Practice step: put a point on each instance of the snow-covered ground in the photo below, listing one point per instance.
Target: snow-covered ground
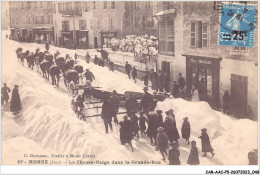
(49, 126)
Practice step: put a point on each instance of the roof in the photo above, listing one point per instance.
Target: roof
(165, 12)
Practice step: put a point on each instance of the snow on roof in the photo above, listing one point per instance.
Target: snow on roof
(165, 12)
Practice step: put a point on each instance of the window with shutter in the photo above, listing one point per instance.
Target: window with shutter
(113, 4)
(199, 34)
(166, 37)
(193, 34)
(204, 34)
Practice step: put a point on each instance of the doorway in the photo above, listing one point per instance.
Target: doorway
(166, 68)
(95, 42)
(239, 95)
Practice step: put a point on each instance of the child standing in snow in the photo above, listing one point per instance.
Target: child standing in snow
(194, 155)
(185, 130)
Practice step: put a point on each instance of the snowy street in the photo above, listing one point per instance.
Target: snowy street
(48, 125)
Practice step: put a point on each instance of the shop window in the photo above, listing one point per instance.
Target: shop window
(113, 4)
(82, 25)
(199, 34)
(65, 25)
(166, 37)
(105, 4)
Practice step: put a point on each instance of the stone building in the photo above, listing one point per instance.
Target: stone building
(5, 18)
(31, 21)
(190, 46)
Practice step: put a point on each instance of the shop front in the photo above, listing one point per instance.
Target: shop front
(24, 35)
(82, 39)
(43, 35)
(203, 73)
(13, 34)
(106, 38)
(66, 39)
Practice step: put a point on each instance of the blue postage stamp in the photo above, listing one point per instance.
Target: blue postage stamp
(237, 25)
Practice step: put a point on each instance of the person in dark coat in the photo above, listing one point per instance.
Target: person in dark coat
(226, 102)
(87, 57)
(160, 81)
(128, 69)
(101, 62)
(175, 90)
(5, 94)
(89, 75)
(170, 127)
(115, 100)
(146, 79)
(111, 66)
(152, 127)
(174, 154)
(202, 89)
(134, 120)
(162, 142)
(76, 57)
(146, 101)
(107, 114)
(153, 79)
(15, 106)
(96, 60)
(160, 117)
(142, 119)
(131, 105)
(181, 82)
(206, 146)
(134, 74)
(185, 130)
(194, 155)
(126, 132)
(166, 83)
(47, 46)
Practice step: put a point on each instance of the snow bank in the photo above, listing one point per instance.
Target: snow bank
(231, 138)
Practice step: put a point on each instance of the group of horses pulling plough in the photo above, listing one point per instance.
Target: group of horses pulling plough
(55, 66)
(51, 65)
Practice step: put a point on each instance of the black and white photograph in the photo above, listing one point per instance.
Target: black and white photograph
(129, 83)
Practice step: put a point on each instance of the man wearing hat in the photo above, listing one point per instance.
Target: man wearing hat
(107, 114)
(174, 154)
(162, 142)
(87, 57)
(115, 100)
(15, 106)
(89, 75)
(205, 142)
(131, 104)
(134, 120)
(128, 69)
(142, 119)
(96, 60)
(152, 127)
(185, 129)
(146, 101)
(160, 117)
(5, 94)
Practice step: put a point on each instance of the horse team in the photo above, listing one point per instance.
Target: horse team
(51, 65)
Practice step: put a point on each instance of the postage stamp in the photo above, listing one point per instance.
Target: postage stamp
(237, 25)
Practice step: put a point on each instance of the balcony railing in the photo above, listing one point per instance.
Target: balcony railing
(72, 13)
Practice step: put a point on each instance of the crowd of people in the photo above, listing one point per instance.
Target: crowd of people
(145, 48)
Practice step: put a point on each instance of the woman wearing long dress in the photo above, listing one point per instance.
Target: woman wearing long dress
(194, 94)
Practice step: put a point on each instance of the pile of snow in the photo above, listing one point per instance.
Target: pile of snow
(49, 125)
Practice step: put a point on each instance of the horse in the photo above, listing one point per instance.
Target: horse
(79, 69)
(55, 74)
(69, 64)
(22, 56)
(70, 75)
(30, 60)
(45, 66)
(49, 57)
(18, 51)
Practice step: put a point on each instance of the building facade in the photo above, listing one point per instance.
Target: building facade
(5, 18)
(87, 24)
(31, 21)
(191, 48)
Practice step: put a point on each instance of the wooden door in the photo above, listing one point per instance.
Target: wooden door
(238, 95)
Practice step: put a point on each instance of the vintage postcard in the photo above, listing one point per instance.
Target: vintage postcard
(129, 83)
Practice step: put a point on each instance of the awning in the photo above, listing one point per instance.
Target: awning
(23, 28)
(203, 57)
(165, 12)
